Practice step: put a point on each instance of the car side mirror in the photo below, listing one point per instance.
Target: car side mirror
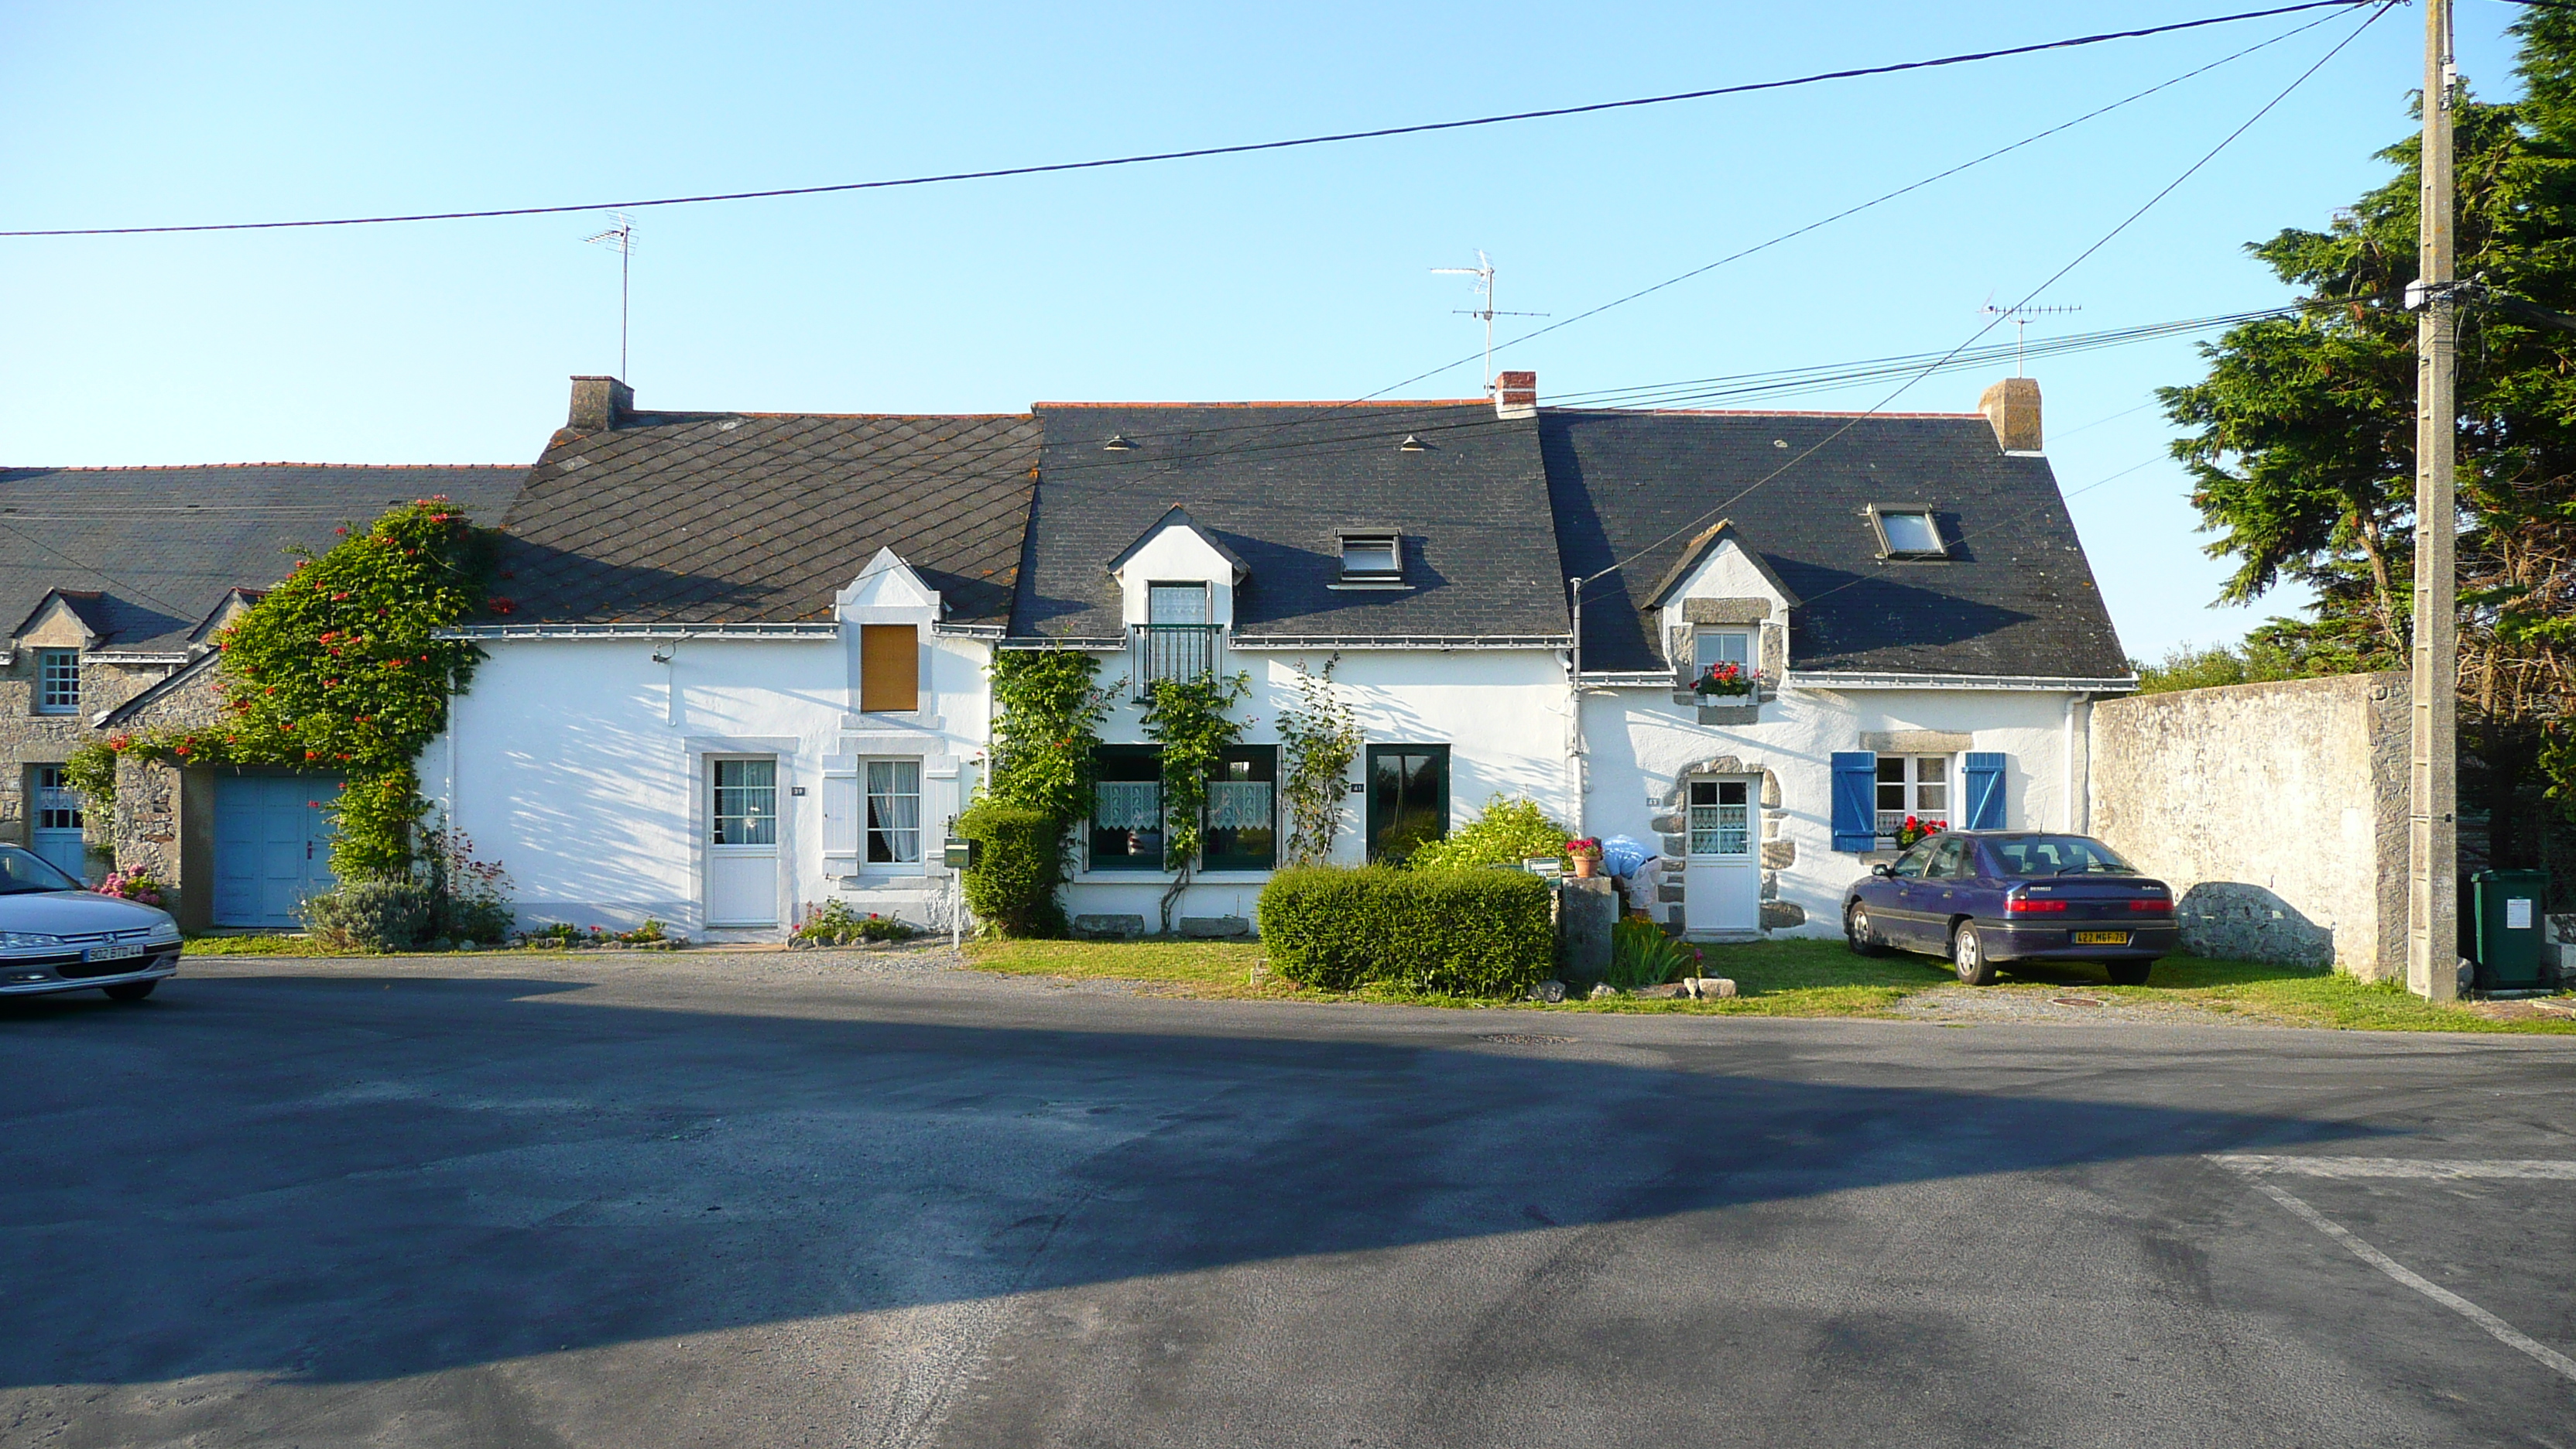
(1882, 869)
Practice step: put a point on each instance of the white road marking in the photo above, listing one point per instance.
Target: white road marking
(2438, 1169)
(2503, 1332)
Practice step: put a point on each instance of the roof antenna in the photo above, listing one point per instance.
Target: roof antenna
(621, 240)
(1483, 272)
(2021, 316)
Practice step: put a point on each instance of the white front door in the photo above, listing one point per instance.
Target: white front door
(1722, 882)
(57, 836)
(742, 844)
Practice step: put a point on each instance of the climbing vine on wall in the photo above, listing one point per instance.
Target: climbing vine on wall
(1187, 718)
(1319, 737)
(1046, 725)
(340, 668)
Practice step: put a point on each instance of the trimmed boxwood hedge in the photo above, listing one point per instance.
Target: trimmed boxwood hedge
(1012, 889)
(1456, 932)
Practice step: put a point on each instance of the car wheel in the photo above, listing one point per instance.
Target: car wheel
(129, 990)
(1856, 932)
(1968, 955)
(2128, 973)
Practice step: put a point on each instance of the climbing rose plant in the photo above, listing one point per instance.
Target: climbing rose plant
(340, 668)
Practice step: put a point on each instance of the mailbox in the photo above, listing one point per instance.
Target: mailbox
(960, 853)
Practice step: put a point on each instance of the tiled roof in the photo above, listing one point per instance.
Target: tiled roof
(163, 545)
(761, 518)
(1277, 483)
(2015, 598)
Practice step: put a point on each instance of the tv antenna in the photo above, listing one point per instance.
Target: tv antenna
(621, 240)
(2021, 323)
(1483, 272)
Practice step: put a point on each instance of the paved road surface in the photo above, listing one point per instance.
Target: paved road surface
(794, 1201)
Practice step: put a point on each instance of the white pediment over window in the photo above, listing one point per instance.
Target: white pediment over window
(1719, 585)
(887, 591)
(1177, 550)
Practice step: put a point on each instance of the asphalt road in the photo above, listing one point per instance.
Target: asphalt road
(794, 1201)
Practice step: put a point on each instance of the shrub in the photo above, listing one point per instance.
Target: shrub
(1509, 832)
(137, 886)
(1641, 955)
(833, 923)
(1460, 932)
(372, 914)
(1012, 888)
(473, 896)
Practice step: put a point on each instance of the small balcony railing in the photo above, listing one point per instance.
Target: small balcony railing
(1170, 651)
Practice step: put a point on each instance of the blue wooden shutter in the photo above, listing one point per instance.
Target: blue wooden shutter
(1985, 781)
(1855, 801)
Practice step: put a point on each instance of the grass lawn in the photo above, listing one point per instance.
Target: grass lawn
(260, 946)
(1795, 978)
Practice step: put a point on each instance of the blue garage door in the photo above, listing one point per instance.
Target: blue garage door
(272, 846)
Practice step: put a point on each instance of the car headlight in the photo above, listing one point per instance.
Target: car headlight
(22, 940)
(166, 931)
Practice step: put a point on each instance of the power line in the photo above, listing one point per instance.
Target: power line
(1244, 148)
(2080, 258)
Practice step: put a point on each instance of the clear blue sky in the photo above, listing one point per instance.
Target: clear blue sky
(1295, 275)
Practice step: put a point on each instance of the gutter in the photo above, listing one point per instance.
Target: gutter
(2026, 683)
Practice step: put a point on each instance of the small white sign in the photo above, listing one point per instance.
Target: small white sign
(1543, 865)
(2517, 913)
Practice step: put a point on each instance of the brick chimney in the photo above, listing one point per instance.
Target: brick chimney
(1516, 395)
(2012, 405)
(599, 403)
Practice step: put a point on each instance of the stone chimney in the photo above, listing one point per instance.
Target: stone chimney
(1516, 395)
(2012, 405)
(599, 403)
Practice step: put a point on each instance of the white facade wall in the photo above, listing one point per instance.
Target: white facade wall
(580, 764)
(1502, 712)
(1640, 741)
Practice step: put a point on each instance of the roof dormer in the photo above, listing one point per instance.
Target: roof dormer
(1170, 559)
(1720, 603)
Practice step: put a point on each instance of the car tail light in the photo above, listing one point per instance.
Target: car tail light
(2162, 908)
(2018, 906)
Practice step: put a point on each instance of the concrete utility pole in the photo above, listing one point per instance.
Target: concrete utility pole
(2433, 833)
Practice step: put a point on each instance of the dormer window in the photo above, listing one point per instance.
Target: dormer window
(1372, 557)
(57, 681)
(1907, 530)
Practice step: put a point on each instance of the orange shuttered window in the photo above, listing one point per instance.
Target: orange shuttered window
(889, 667)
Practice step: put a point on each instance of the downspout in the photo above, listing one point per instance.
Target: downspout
(2074, 826)
(1576, 763)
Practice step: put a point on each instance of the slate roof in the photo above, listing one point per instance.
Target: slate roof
(2016, 597)
(762, 517)
(1277, 483)
(161, 546)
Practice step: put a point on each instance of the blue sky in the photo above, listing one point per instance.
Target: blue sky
(1294, 275)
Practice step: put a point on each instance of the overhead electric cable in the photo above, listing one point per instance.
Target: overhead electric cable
(2080, 258)
(1243, 148)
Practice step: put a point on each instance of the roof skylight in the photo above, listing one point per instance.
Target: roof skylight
(1907, 530)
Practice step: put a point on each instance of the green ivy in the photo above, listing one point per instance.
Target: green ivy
(1046, 725)
(339, 667)
(1319, 736)
(1187, 718)
(91, 769)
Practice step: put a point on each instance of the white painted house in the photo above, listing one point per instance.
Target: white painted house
(743, 670)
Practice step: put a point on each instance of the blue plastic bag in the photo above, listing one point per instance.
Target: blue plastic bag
(1622, 857)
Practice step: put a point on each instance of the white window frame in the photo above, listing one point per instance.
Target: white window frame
(1750, 642)
(1391, 545)
(1915, 788)
(867, 795)
(49, 699)
(716, 791)
(1723, 827)
(1181, 588)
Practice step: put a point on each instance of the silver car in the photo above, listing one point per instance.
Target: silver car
(55, 936)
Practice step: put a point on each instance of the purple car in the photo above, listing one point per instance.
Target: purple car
(1980, 897)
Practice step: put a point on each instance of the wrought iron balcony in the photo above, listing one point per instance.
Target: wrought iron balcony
(1170, 651)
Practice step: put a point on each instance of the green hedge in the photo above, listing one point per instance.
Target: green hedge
(1456, 932)
(1012, 888)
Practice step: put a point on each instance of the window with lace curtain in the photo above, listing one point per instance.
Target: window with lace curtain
(1127, 808)
(1243, 811)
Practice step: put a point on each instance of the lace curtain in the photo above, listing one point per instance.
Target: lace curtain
(1129, 805)
(1238, 805)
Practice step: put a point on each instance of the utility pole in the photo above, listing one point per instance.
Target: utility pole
(2432, 833)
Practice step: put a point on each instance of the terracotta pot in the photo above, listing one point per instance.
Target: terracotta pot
(1584, 866)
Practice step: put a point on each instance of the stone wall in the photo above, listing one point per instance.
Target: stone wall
(29, 739)
(164, 816)
(2276, 811)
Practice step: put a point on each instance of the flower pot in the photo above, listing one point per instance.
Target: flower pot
(1584, 866)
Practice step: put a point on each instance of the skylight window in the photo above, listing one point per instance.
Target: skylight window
(1367, 556)
(1907, 531)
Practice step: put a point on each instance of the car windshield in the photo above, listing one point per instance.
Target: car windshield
(2030, 857)
(23, 871)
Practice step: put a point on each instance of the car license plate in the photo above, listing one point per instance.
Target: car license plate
(2101, 938)
(114, 951)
